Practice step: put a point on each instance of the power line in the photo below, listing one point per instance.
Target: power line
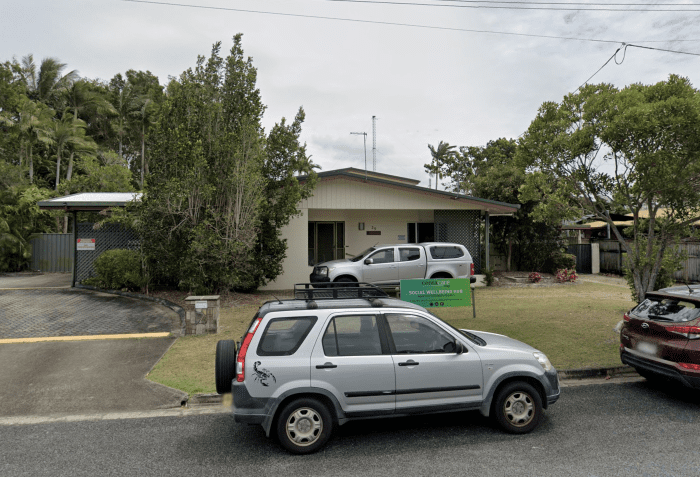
(624, 54)
(509, 6)
(374, 22)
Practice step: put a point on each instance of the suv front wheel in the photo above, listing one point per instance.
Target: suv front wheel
(518, 408)
(304, 426)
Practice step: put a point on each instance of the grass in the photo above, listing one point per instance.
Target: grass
(571, 323)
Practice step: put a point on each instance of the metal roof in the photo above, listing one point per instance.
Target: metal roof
(90, 201)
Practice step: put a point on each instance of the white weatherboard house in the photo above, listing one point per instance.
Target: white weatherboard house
(352, 209)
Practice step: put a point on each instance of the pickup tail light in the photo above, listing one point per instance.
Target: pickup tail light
(471, 269)
(690, 332)
(240, 359)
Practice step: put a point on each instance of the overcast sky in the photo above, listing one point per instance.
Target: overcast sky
(475, 75)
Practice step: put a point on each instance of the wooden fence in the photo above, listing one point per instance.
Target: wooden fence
(612, 259)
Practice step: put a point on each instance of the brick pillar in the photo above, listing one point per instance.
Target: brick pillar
(202, 315)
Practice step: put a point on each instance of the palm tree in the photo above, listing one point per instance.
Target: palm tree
(48, 84)
(68, 131)
(440, 155)
(32, 123)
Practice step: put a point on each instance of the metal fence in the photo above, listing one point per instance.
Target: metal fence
(612, 259)
(52, 252)
(583, 257)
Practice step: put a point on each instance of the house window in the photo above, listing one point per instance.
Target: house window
(326, 241)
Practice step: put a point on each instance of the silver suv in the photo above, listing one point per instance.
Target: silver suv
(329, 356)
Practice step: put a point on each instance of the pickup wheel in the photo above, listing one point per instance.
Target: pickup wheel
(518, 408)
(225, 365)
(304, 426)
(344, 280)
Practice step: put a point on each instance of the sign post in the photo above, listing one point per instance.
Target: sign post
(437, 292)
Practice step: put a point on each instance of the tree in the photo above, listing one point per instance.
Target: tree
(48, 84)
(638, 147)
(442, 154)
(67, 132)
(491, 172)
(200, 211)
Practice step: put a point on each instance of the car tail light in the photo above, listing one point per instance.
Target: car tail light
(471, 269)
(240, 359)
(690, 332)
(626, 317)
(694, 367)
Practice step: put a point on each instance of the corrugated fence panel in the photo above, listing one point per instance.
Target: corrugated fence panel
(52, 252)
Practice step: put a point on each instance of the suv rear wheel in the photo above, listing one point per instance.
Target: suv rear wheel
(304, 426)
(518, 407)
(225, 365)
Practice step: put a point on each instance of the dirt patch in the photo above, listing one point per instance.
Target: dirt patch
(227, 299)
(520, 280)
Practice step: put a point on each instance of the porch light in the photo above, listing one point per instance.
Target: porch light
(360, 226)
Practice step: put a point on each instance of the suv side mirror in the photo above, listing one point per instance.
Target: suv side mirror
(369, 261)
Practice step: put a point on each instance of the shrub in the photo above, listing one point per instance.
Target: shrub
(534, 277)
(670, 263)
(561, 260)
(117, 269)
(488, 276)
(566, 275)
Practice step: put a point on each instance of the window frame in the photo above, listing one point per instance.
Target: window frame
(261, 352)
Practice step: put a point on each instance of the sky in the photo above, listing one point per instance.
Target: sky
(458, 71)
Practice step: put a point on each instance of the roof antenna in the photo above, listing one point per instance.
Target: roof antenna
(690, 290)
(280, 301)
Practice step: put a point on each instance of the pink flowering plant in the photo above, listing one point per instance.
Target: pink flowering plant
(534, 277)
(566, 275)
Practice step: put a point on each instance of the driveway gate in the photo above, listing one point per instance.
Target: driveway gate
(583, 257)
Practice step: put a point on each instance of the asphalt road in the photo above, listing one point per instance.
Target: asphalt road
(630, 429)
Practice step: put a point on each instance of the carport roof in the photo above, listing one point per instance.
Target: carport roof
(93, 201)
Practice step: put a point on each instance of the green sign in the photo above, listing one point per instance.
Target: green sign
(437, 292)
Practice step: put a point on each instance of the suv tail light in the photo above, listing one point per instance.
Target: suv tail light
(694, 367)
(626, 317)
(690, 332)
(471, 269)
(240, 359)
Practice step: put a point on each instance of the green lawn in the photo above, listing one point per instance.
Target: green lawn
(572, 324)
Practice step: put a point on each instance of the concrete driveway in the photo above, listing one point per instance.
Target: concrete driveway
(73, 351)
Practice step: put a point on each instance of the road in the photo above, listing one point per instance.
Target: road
(629, 429)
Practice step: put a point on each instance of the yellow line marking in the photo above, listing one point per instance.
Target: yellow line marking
(33, 288)
(85, 337)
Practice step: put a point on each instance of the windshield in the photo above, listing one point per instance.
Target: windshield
(470, 336)
(359, 257)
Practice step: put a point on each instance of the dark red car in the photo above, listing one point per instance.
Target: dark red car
(660, 337)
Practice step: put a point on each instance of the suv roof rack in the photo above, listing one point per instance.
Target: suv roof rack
(334, 291)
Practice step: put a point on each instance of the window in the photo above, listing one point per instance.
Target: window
(415, 334)
(409, 254)
(283, 336)
(666, 309)
(326, 241)
(446, 252)
(352, 336)
(385, 255)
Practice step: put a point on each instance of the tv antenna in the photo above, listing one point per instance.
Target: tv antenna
(364, 136)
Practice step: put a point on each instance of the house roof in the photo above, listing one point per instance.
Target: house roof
(492, 206)
(90, 201)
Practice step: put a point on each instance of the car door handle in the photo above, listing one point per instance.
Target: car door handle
(328, 365)
(410, 362)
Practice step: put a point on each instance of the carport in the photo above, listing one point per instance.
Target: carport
(88, 248)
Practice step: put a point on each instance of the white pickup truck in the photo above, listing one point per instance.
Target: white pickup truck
(386, 265)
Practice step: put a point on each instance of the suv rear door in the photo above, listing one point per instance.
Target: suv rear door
(351, 359)
(430, 375)
(655, 327)
(411, 263)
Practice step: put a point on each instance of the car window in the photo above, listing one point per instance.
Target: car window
(357, 258)
(416, 334)
(666, 309)
(385, 255)
(409, 254)
(283, 336)
(353, 335)
(442, 251)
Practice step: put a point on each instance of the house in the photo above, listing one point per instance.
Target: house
(352, 209)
